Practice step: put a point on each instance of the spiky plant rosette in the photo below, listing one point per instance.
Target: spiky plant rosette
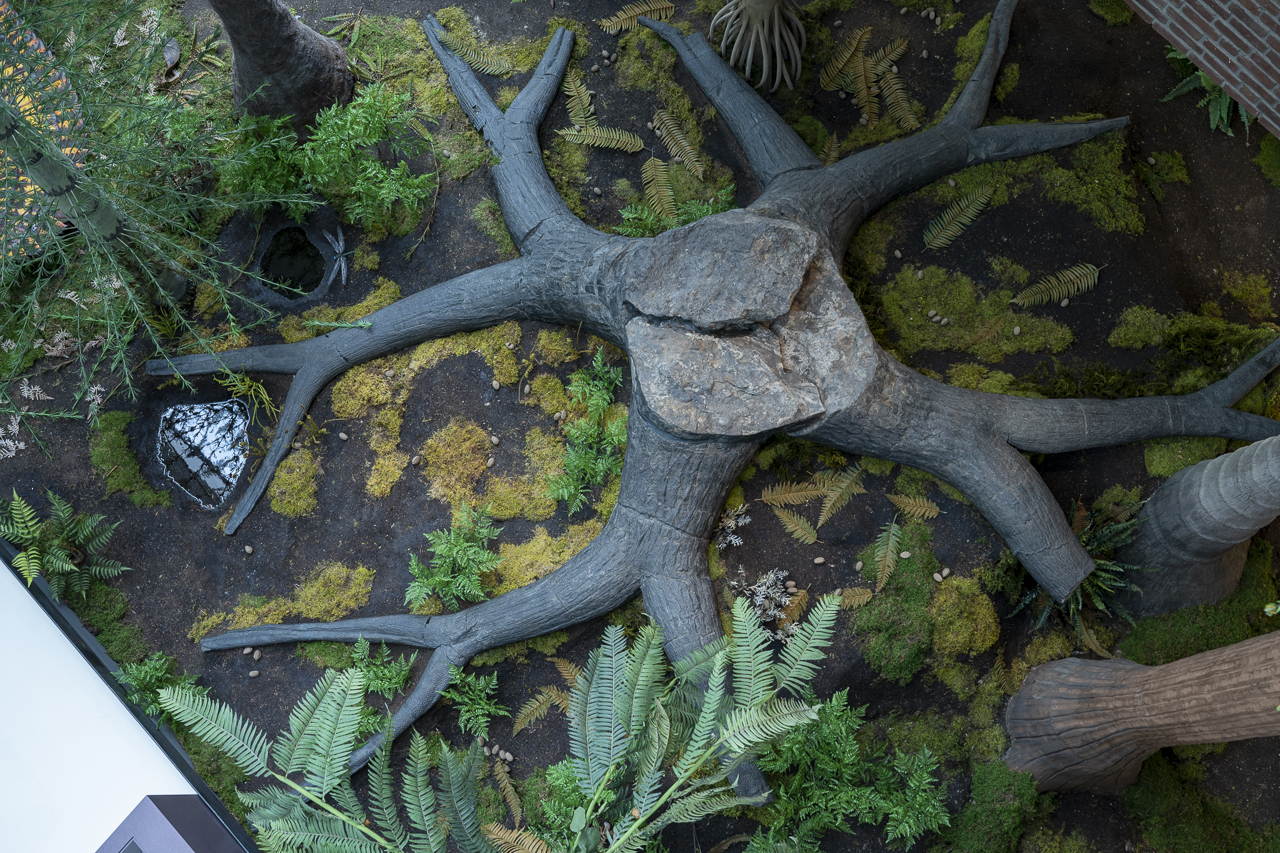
(770, 28)
(1101, 532)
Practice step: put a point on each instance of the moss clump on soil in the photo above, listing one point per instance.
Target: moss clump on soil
(390, 462)
(980, 325)
(526, 495)
(968, 51)
(1169, 168)
(1003, 804)
(547, 644)
(1007, 81)
(539, 556)
(976, 377)
(326, 595)
(1009, 272)
(968, 739)
(567, 167)
(895, 627)
(506, 96)
(115, 463)
(1139, 326)
(1165, 457)
(1172, 636)
(1251, 291)
(1268, 158)
(462, 150)
(1178, 816)
(217, 770)
(964, 619)
(488, 216)
(455, 460)
(365, 259)
(1054, 841)
(1097, 186)
(293, 328)
(293, 486)
(869, 249)
(1041, 650)
(555, 347)
(547, 391)
(326, 655)
(1115, 12)
(103, 609)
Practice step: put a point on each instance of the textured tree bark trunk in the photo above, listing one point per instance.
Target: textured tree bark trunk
(1088, 725)
(281, 66)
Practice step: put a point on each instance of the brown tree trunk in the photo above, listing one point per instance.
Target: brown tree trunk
(1089, 724)
(281, 66)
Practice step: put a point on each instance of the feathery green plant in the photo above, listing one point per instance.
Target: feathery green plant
(1064, 284)
(459, 556)
(645, 220)
(147, 678)
(382, 675)
(603, 137)
(481, 58)
(476, 705)
(66, 547)
(947, 227)
(1220, 104)
(594, 442)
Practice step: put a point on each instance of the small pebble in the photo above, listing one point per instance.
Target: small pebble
(297, 445)
(837, 23)
(390, 374)
(528, 388)
(1151, 161)
(818, 561)
(893, 68)
(496, 384)
(932, 15)
(904, 11)
(946, 572)
(248, 549)
(496, 749)
(919, 275)
(937, 577)
(838, 591)
(649, 125)
(944, 322)
(605, 63)
(493, 439)
(924, 12)
(343, 436)
(791, 584)
(864, 120)
(248, 650)
(563, 414)
(858, 567)
(897, 253)
(510, 345)
(488, 752)
(1064, 303)
(905, 554)
(1017, 330)
(483, 740)
(935, 319)
(490, 462)
(416, 460)
(931, 314)
(924, 54)
(257, 655)
(614, 59)
(842, 95)
(605, 54)
(951, 182)
(597, 191)
(447, 153)
(253, 673)
(595, 68)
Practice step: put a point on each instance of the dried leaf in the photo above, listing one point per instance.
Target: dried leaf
(604, 137)
(657, 187)
(921, 508)
(507, 790)
(627, 17)
(854, 598)
(842, 487)
(1061, 285)
(840, 60)
(677, 143)
(790, 494)
(797, 526)
(947, 227)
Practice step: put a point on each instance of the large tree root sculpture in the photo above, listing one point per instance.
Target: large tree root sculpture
(719, 366)
(1088, 725)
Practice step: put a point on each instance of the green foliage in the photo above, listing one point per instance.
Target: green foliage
(114, 461)
(550, 796)
(942, 231)
(66, 547)
(146, 679)
(459, 556)
(488, 215)
(824, 780)
(382, 675)
(1096, 185)
(595, 440)
(1268, 159)
(1139, 326)
(1221, 107)
(1008, 80)
(1165, 457)
(1191, 630)
(964, 619)
(1169, 168)
(1063, 284)
(1251, 291)
(474, 697)
(895, 626)
(326, 655)
(642, 220)
(1115, 12)
(1003, 803)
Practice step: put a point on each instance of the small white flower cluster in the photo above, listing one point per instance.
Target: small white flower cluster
(31, 392)
(96, 395)
(8, 345)
(61, 345)
(120, 40)
(70, 43)
(729, 522)
(769, 598)
(9, 443)
(73, 297)
(150, 23)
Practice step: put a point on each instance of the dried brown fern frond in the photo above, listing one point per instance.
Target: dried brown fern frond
(672, 136)
(830, 152)
(990, 330)
(790, 494)
(1061, 285)
(888, 545)
(849, 48)
(481, 59)
(533, 710)
(508, 791)
(627, 17)
(921, 508)
(896, 101)
(947, 227)
(568, 670)
(514, 840)
(797, 526)
(840, 490)
(858, 82)
(657, 187)
(883, 59)
(581, 111)
(604, 137)
(1080, 520)
(852, 599)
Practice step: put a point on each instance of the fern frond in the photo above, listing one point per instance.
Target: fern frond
(458, 799)
(747, 729)
(508, 791)
(419, 797)
(580, 745)
(1081, 519)
(514, 840)
(23, 526)
(840, 491)
(696, 666)
(883, 59)
(752, 653)
(854, 598)
(704, 730)
(694, 807)
(657, 187)
(649, 770)
(533, 710)
(345, 796)
(307, 830)
(642, 681)
(224, 729)
(947, 227)
(568, 670)
(797, 526)
(337, 723)
(604, 137)
(581, 111)
(606, 733)
(272, 803)
(790, 494)
(481, 59)
(830, 152)
(897, 102)
(677, 143)
(888, 544)
(627, 17)
(27, 563)
(1061, 285)
(291, 749)
(834, 70)
(858, 82)
(807, 646)
(921, 508)
(382, 793)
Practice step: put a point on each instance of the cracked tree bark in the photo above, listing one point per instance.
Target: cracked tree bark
(718, 367)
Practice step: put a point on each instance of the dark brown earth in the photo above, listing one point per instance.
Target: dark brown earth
(1071, 62)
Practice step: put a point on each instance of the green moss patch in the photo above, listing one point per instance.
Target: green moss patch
(326, 655)
(567, 166)
(326, 595)
(895, 627)
(1007, 81)
(547, 644)
(1169, 168)
(964, 619)
(1268, 159)
(488, 216)
(113, 460)
(293, 485)
(555, 347)
(455, 461)
(1003, 804)
(1251, 291)
(977, 324)
(1165, 457)
(1115, 12)
(526, 495)
(539, 556)
(1139, 326)
(294, 328)
(1096, 185)
(548, 392)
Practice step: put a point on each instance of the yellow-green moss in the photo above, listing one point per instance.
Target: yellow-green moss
(386, 472)
(326, 595)
(526, 495)
(1115, 12)
(385, 291)
(968, 51)
(1052, 646)
(547, 644)
(1251, 291)
(293, 486)
(1139, 326)
(869, 250)
(326, 655)
(1268, 158)
(980, 325)
(488, 216)
(542, 554)
(1048, 840)
(364, 258)
(1169, 168)
(1165, 457)
(1006, 82)
(608, 499)
(877, 467)
(976, 377)
(555, 347)
(965, 621)
(204, 624)
(960, 678)
(461, 149)
(1118, 501)
(207, 300)
(495, 345)
(1096, 185)
(114, 461)
(567, 166)
(1009, 272)
(506, 96)
(716, 568)
(455, 460)
(547, 391)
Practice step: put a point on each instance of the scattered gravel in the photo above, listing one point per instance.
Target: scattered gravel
(248, 650)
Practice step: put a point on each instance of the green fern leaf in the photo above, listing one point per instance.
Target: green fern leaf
(480, 58)
(898, 104)
(657, 187)
(1061, 285)
(831, 151)
(708, 717)
(807, 646)
(514, 840)
(28, 564)
(747, 729)
(337, 724)
(642, 680)
(672, 136)
(272, 803)
(752, 653)
(311, 830)
(345, 796)
(858, 82)
(921, 508)
(581, 112)
(947, 227)
(835, 70)
(292, 748)
(223, 728)
(23, 526)
(605, 716)
(888, 545)
(381, 791)
(604, 137)
(840, 491)
(787, 493)
(458, 799)
(533, 710)
(696, 806)
(797, 526)
(420, 799)
(883, 59)
(628, 16)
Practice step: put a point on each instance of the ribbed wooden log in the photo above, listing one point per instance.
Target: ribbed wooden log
(1088, 725)
(1195, 529)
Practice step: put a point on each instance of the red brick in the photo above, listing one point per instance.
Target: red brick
(1262, 71)
(1179, 35)
(1197, 21)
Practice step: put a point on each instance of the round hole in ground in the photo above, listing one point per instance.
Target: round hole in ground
(292, 266)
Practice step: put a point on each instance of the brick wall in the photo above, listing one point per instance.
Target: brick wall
(1236, 42)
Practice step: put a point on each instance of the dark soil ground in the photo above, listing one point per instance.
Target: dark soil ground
(1071, 62)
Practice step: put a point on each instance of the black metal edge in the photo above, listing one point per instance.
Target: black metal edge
(92, 651)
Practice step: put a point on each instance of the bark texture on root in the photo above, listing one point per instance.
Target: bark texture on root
(1088, 725)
